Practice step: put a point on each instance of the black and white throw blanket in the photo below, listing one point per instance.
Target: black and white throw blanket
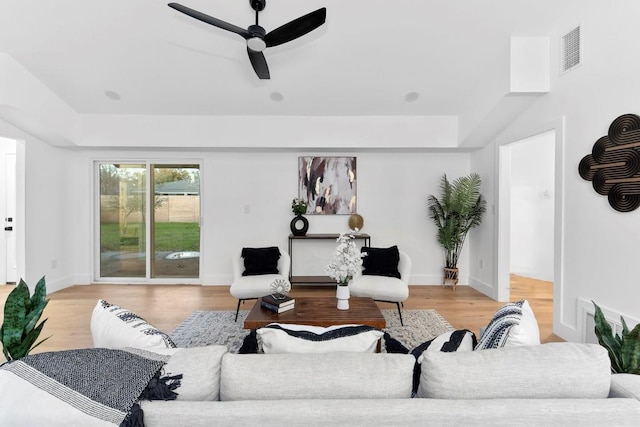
(102, 383)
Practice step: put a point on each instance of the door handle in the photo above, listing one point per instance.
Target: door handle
(8, 229)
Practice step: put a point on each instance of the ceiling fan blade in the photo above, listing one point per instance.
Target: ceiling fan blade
(259, 64)
(210, 20)
(296, 28)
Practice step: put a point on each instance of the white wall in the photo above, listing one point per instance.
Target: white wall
(392, 193)
(263, 132)
(43, 194)
(482, 263)
(532, 208)
(599, 259)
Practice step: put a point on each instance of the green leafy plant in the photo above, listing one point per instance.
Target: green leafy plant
(624, 351)
(459, 209)
(298, 207)
(19, 331)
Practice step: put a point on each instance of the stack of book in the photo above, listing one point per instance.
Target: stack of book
(277, 302)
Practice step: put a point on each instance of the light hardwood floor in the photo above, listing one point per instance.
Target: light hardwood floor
(166, 306)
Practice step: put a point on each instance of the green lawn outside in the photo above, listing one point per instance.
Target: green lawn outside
(170, 237)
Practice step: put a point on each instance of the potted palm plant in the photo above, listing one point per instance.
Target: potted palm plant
(459, 209)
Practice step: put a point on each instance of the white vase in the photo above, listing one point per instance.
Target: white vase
(343, 295)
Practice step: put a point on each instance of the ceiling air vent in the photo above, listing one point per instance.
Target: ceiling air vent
(571, 50)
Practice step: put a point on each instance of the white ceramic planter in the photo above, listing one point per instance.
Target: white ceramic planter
(343, 295)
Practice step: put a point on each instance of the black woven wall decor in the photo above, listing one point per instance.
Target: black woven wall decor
(613, 166)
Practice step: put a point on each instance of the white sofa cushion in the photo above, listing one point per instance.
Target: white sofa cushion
(625, 385)
(200, 369)
(289, 338)
(315, 376)
(115, 327)
(554, 370)
(514, 324)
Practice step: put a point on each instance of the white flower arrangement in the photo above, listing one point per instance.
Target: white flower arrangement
(347, 260)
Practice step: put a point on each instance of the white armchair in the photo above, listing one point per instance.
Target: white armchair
(256, 286)
(383, 288)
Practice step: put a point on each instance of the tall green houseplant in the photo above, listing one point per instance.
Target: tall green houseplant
(19, 331)
(459, 209)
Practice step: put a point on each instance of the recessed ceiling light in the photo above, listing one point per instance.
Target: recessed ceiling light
(112, 95)
(411, 96)
(276, 96)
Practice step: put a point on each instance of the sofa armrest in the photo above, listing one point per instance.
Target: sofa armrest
(625, 385)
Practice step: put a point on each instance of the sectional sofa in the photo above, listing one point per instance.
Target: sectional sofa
(556, 384)
(447, 381)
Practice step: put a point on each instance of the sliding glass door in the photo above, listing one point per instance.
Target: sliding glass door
(122, 220)
(127, 227)
(176, 221)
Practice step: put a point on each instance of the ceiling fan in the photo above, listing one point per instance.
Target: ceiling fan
(256, 36)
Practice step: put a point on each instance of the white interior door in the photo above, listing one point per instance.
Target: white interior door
(8, 257)
(11, 264)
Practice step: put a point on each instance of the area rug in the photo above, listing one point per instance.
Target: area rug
(217, 327)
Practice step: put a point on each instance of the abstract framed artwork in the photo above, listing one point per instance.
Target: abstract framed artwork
(328, 184)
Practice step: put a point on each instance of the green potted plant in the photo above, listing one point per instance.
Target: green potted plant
(459, 209)
(19, 331)
(299, 207)
(624, 351)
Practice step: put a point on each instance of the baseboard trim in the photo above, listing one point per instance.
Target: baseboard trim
(434, 280)
(217, 280)
(483, 287)
(65, 282)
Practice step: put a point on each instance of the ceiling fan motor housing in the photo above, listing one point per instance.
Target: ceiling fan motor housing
(258, 5)
(256, 42)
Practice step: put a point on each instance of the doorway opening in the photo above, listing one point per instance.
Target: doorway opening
(530, 216)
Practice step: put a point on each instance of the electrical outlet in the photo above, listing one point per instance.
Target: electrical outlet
(54, 264)
(481, 264)
(247, 209)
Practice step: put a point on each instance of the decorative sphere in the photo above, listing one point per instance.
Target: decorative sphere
(356, 222)
(280, 286)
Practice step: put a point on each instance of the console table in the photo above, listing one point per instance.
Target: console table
(310, 237)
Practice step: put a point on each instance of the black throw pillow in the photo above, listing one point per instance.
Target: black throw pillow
(260, 260)
(381, 261)
(249, 344)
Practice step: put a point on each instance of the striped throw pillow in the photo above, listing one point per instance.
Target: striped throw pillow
(514, 324)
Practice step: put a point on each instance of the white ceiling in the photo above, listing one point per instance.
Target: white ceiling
(364, 61)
